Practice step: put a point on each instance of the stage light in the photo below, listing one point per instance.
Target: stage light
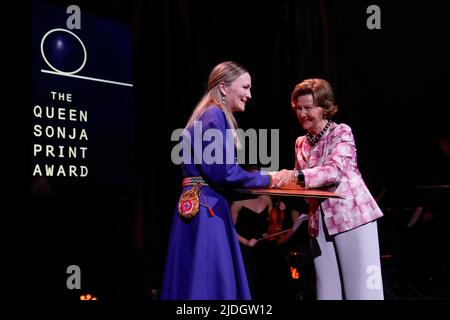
(294, 273)
(88, 297)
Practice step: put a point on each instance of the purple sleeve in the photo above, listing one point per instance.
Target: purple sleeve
(218, 165)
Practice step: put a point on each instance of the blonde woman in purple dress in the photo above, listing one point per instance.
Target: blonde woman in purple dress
(204, 261)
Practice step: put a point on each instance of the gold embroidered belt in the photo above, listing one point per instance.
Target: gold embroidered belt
(194, 181)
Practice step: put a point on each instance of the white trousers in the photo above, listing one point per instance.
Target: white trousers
(348, 265)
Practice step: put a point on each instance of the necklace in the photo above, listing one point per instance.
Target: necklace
(313, 140)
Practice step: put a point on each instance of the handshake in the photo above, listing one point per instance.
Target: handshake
(282, 178)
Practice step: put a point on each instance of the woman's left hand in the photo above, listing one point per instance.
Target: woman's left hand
(283, 177)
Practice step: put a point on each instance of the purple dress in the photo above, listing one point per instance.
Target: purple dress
(204, 260)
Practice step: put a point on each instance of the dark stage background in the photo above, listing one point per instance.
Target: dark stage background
(391, 85)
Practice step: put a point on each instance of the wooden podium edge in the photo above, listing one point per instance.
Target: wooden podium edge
(302, 193)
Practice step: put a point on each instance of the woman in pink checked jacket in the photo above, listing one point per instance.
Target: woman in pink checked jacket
(347, 258)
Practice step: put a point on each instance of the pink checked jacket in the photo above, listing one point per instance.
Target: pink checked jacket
(331, 165)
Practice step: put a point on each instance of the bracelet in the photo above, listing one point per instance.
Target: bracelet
(270, 181)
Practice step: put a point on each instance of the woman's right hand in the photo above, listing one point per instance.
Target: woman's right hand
(252, 242)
